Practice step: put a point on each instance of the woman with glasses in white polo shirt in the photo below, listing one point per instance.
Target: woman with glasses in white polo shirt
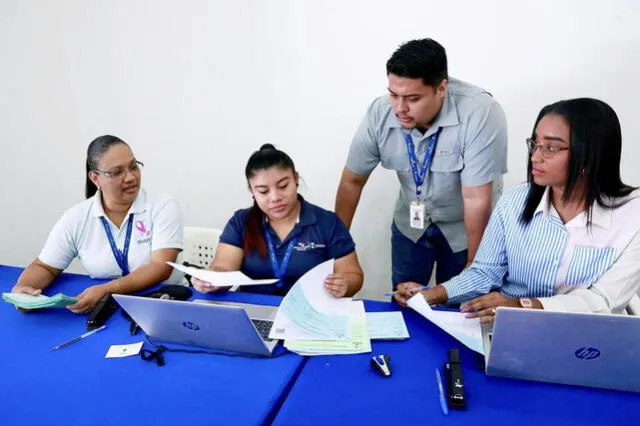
(120, 232)
(569, 239)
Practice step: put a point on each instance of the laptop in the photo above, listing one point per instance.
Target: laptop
(223, 326)
(594, 350)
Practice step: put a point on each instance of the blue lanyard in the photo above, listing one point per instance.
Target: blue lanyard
(122, 257)
(279, 270)
(418, 172)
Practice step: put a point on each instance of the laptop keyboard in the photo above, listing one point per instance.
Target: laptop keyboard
(264, 328)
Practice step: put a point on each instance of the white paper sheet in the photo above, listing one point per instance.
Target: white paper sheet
(387, 325)
(308, 312)
(221, 279)
(466, 330)
(119, 351)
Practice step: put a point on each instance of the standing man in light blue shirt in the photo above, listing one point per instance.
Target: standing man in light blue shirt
(447, 142)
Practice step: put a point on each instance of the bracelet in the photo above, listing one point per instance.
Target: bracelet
(116, 283)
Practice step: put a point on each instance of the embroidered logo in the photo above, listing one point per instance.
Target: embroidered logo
(142, 228)
(301, 246)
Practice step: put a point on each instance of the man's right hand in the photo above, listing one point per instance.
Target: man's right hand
(406, 291)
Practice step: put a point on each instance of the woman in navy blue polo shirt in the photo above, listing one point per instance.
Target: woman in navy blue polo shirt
(282, 235)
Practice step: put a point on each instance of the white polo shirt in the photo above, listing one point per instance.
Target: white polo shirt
(80, 233)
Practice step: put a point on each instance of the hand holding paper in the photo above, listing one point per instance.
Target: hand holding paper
(28, 301)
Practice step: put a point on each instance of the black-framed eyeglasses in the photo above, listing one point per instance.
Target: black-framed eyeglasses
(547, 151)
(121, 171)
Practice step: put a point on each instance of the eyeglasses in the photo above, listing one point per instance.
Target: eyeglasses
(120, 172)
(547, 151)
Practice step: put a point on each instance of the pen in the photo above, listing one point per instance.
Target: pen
(77, 339)
(443, 403)
(416, 289)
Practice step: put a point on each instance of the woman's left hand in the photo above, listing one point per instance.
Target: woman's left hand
(336, 284)
(88, 299)
(484, 307)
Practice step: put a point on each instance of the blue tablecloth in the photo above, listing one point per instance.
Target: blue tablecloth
(76, 385)
(343, 390)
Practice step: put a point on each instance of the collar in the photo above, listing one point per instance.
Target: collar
(307, 214)
(600, 216)
(448, 116)
(544, 206)
(138, 206)
(307, 217)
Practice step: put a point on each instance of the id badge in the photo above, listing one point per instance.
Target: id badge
(416, 215)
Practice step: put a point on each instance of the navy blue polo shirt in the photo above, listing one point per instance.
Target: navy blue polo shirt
(320, 234)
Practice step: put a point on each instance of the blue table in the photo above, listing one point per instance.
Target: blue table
(78, 386)
(341, 390)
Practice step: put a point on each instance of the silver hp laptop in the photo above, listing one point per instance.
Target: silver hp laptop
(229, 327)
(595, 350)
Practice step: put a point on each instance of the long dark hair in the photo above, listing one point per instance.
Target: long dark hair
(264, 158)
(96, 149)
(594, 155)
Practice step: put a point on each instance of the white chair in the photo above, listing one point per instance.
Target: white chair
(633, 308)
(200, 245)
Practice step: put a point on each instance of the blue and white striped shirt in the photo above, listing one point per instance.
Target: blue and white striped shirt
(568, 267)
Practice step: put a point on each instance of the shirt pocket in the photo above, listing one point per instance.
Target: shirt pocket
(444, 177)
(398, 161)
(588, 264)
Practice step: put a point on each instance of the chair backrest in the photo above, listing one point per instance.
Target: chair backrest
(200, 245)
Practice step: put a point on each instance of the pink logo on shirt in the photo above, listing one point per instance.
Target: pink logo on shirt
(142, 228)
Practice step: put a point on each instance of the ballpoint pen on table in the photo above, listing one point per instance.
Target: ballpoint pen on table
(414, 289)
(443, 402)
(77, 339)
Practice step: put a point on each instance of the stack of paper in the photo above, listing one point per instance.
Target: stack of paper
(312, 322)
(465, 330)
(358, 341)
(27, 301)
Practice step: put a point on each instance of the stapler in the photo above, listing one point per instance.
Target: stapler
(382, 364)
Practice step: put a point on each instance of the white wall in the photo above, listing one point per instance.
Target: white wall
(196, 86)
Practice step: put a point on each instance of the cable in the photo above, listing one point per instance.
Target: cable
(149, 355)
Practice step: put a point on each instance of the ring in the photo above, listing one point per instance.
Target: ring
(493, 311)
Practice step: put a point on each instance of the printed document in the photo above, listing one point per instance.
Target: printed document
(309, 312)
(465, 330)
(387, 325)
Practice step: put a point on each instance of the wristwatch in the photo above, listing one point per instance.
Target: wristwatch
(525, 302)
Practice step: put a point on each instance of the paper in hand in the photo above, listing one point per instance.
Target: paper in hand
(27, 301)
(221, 279)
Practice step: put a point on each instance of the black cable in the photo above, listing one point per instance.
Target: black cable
(149, 355)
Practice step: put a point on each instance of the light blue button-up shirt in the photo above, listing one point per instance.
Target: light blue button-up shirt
(569, 267)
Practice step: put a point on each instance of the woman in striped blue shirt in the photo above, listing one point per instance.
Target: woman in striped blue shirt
(569, 239)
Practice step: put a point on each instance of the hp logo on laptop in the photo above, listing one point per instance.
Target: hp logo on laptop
(190, 325)
(587, 353)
